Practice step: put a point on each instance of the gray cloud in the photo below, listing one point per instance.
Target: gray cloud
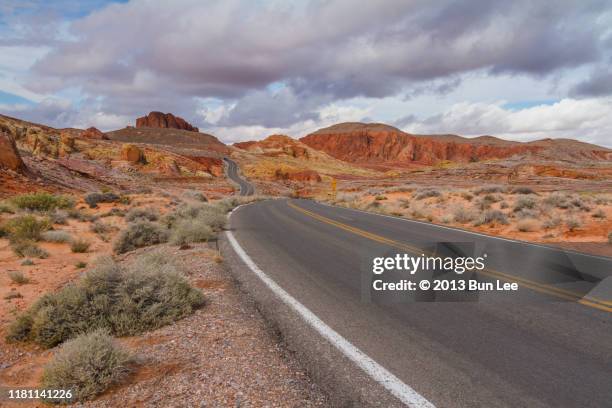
(599, 83)
(150, 55)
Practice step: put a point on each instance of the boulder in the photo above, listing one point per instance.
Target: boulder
(9, 155)
(93, 133)
(132, 154)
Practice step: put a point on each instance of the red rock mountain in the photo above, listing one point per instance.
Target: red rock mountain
(379, 143)
(94, 133)
(164, 120)
(9, 155)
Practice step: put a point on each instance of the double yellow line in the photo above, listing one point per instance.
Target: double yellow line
(595, 303)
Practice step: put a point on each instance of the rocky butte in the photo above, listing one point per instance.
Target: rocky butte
(164, 120)
(380, 143)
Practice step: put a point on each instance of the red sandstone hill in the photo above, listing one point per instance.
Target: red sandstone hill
(180, 140)
(164, 120)
(379, 143)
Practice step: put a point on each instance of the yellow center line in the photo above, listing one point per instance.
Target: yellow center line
(536, 286)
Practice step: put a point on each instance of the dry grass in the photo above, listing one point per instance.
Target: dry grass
(528, 225)
(18, 277)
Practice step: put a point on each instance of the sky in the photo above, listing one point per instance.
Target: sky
(242, 70)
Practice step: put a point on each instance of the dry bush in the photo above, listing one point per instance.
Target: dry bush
(427, 193)
(573, 223)
(195, 195)
(147, 294)
(138, 235)
(28, 249)
(490, 217)
(528, 225)
(380, 198)
(523, 190)
(463, 215)
(489, 190)
(148, 214)
(87, 365)
(581, 204)
(467, 196)
(186, 231)
(18, 277)
(80, 246)
(25, 228)
(93, 199)
(599, 213)
(522, 203)
(99, 227)
(59, 217)
(56, 236)
(559, 200)
(552, 223)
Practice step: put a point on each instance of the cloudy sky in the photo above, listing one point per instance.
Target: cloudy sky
(245, 69)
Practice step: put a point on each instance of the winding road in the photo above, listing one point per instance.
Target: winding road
(246, 188)
(549, 344)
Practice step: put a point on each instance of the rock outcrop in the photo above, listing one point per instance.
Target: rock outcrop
(132, 154)
(93, 133)
(164, 120)
(376, 143)
(308, 176)
(276, 145)
(9, 155)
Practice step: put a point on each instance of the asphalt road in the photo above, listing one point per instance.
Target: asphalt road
(547, 345)
(246, 188)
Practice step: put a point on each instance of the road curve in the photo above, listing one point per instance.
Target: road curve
(246, 188)
(547, 345)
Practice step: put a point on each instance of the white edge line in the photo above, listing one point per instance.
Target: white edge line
(378, 373)
(431, 224)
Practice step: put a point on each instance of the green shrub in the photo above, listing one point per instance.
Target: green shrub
(148, 214)
(87, 365)
(80, 246)
(18, 277)
(147, 294)
(5, 207)
(60, 237)
(93, 199)
(80, 265)
(26, 227)
(138, 235)
(380, 198)
(189, 231)
(42, 201)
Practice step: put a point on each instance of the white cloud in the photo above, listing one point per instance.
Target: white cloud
(586, 119)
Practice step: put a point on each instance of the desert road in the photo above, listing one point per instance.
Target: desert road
(246, 188)
(549, 344)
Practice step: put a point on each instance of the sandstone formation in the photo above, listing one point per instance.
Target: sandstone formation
(308, 176)
(164, 120)
(93, 133)
(211, 165)
(378, 143)
(9, 155)
(132, 154)
(276, 145)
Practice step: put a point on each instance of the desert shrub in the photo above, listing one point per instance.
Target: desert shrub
(27, 262)
(191, 230)
(114, 212)
(610, 237)
(599, 213)
(482, 204)
(59, 217)
(380, 198)
(559, 200)
(580, 204)
(489, 190)
(87, 365)
(523, 190)
(503, 205)
(99, 227)
(212, 215)
(59, 237)
(572, 223)
(13, 295)
(467, 196)
(92, 199)
(446, 219)
(18, 277)
(490, 217)
(524, 203)
(26, 228)
(28, 249)
(82, 216)
(552, 223)
(80, 246)
(144, 295)
(426, 193)
(528, 225)
(195, 195)
(148, 214)
(5, 207)
(80, 265)
(462, 215)
(138, 235)
(527, 213)
(42, 201)
(228, 204)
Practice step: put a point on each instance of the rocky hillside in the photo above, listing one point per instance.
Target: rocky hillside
(379, 143)
(165, 121)
(176, 139)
